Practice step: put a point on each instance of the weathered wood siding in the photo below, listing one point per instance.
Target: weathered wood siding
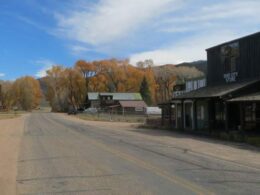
(247, 64)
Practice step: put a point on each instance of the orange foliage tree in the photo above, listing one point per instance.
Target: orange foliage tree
(26, 93)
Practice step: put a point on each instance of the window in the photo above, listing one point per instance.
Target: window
(250, 112)
(200, 113)
(229, 56)
(195, 85)
(189, 86)
(220, 114)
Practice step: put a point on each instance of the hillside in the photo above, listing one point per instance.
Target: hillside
(184, 70)
(43, 85)
(201, 65)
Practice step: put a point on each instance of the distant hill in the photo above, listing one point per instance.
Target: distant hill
(42, 85)
(43, 103)
(200, 65)
(184, 70)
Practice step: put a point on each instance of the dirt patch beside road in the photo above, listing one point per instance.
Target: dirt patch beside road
(11, 131)
(4, 116)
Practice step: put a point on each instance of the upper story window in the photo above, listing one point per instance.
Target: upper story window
(229, 56)
(106, 98)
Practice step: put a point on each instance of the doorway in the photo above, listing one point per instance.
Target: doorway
(188, 115)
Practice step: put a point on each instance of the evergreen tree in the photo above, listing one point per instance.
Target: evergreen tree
(145, 91)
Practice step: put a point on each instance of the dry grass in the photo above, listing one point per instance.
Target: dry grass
(11, 114)
(113, 118)
(8, 116)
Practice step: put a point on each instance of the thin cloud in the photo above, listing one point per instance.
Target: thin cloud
(2, 74)
(107, 26)
(32, 23)
(78, 49)
(192, 49)
(230, 15)
(110, 20)
(214, 23)
(45, 65)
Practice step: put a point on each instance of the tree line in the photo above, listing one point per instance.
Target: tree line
(68, 87)
(24, 94)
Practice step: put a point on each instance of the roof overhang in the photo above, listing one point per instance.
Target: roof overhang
(255, 97)
(225, 91)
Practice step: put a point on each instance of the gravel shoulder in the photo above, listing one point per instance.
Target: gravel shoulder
(11, 131)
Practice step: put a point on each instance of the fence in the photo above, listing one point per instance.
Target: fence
(119, 116)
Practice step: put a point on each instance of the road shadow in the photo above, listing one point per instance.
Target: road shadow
(195, 136)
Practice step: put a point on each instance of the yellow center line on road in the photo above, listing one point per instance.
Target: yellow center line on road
(172, 178)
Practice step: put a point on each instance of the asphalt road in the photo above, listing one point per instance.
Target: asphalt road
(59, 156)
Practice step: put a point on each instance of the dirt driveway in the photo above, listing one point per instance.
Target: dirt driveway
(11, 131)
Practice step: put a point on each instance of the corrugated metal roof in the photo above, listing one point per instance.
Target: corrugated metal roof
(246, 98)
(133, 104)
(116, 96)
(124, 96)
(216, 91)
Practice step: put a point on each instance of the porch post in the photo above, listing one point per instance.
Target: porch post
(226, 116)
(170, 113)
(194, 117)
(241, 106)
(162, 116)
(211, 114)
(176, 115)
(184, 115)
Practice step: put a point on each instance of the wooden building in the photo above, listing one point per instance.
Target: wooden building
(120, 103)
(231, 99)
(182, 87)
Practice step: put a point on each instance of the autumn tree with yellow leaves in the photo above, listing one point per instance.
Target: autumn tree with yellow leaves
(26, 93)
(6, 95)
(67, 87)
(76, 88)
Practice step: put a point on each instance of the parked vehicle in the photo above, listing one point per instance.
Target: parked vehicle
(72, 111)
(80, 110)
(91, 111)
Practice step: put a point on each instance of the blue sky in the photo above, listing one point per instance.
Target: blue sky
(35, 34)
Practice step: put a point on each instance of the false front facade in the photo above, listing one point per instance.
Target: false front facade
(231, 99)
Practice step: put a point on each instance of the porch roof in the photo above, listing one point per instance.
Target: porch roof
(216, 91)
(246, 98)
